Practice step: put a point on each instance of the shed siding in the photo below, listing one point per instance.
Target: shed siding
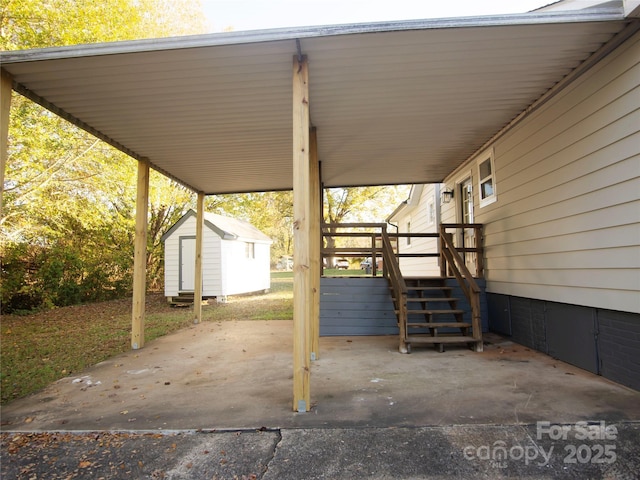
(211, 280)
(241, 274)
(566, 223)
(171, 265)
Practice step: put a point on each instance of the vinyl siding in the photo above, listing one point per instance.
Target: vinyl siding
(566, 224)
(171, 265)
(242, 274)
(211, 280)
(418, 216)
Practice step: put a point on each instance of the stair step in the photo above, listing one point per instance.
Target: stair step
(434, 312)
(428, 287)
(442, 339)
(431, 299)
(439, 324)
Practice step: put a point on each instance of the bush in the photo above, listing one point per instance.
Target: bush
(37, 277)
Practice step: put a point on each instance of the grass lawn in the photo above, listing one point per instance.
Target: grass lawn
(41, 348)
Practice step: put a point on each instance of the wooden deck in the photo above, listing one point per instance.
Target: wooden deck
(426, 310)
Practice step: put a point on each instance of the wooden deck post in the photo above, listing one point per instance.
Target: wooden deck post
(197, 284)
(5, 109)
(140, 257)
(301, 232)
(315, 243)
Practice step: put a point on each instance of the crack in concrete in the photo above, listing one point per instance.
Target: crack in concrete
(273, 455)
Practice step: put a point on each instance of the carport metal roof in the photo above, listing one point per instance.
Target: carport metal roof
(395, 102)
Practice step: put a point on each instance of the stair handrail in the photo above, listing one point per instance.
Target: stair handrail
(468, 284)
(392, 268)
(398, 285)
(457, 262)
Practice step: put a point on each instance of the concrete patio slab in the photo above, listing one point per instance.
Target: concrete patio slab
(238, 375)
(214, 402)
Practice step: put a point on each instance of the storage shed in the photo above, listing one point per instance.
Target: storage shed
(235, 257)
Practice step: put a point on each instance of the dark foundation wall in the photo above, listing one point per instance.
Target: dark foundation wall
(604, 342)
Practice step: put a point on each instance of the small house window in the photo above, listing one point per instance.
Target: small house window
(408, 231)
(249, 250)
(486, 180)
(431, 212)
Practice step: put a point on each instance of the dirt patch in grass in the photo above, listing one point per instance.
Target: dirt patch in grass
(38, 349)
(41, 348)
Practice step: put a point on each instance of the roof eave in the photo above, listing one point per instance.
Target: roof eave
(604, 14)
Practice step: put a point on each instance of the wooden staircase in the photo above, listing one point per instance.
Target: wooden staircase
(433, 316)
(425, 309)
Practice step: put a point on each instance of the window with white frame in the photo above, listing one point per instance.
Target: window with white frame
(431, 212)
(486, 179)
(250, 250)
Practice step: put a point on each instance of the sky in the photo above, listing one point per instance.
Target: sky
(240, 15)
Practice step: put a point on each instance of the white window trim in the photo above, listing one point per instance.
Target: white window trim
(486, 155)
(431, 204)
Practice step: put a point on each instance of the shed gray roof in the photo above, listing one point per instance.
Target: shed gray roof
(227, 228)
(394, 102)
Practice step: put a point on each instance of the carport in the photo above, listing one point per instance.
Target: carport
(349, 105)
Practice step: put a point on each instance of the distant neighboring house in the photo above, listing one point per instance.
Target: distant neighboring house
(419, 213)
(557, 192)
(235, 257)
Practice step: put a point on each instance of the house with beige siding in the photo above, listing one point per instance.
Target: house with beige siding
(558, 194)
(419, 213)
(528, 123)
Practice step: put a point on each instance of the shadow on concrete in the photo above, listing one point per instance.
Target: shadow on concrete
(375, 412)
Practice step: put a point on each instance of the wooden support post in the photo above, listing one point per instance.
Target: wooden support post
(5, 109)
(140, 257)
(315, 219)
(301, 231)
(441, 247)
(197, 284)
(479, 252)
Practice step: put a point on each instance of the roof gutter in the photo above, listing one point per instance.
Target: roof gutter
(604, 14)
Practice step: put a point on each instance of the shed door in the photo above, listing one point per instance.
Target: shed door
(187, 263)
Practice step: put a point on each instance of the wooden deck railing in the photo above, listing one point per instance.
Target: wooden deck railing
(466, 281)
(374, 241)
(477, 252)
(398, 286)
(368, 237)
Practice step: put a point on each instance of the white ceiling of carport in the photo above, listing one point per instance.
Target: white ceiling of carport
(393, 103)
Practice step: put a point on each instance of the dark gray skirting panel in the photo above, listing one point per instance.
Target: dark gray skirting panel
(605, 342)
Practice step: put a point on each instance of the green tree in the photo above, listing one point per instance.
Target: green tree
(360, 204)
(54, 23)
(67, 225)
(270, 212)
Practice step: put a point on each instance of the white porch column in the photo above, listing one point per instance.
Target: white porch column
(140, 257)
(197, 284)
(301, 230)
